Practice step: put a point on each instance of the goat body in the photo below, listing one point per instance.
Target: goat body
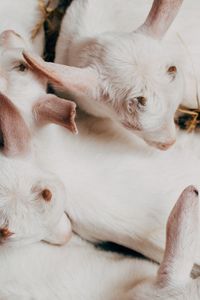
(74, 271)
(116, 192)
(78, 271)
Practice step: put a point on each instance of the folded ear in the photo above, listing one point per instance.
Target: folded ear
(61, 233)
(14, 133)
(182, 240)
(52, 109)
(77, 81)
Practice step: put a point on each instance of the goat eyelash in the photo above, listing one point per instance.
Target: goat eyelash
(21, 67)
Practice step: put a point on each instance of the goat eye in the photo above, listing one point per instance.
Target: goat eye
(47, 195)
(172, 70)
(22, 67)
(5, 233)
(141, 100)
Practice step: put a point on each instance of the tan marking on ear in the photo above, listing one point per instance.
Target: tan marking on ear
(52, 109)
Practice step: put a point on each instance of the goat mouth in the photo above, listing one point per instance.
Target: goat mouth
(159, 145)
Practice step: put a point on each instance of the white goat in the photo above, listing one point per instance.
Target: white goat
(129, 76)
(38, 218)
(32, 199)
(77, 271)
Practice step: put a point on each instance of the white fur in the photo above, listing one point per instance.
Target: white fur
(75, 271)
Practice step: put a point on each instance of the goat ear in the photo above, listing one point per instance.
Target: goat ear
(14, 133)
(181, 242)
(160, 17)
(76, 81)
(61, 233)
(52, 109)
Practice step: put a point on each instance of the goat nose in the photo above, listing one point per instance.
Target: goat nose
(165, 146)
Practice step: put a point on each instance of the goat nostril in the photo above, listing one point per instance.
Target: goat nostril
(165, 146)
(47, 195)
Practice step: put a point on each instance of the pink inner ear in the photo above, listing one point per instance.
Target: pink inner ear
(77, 81)
(14, 132)
(37, 64)
(52, 109)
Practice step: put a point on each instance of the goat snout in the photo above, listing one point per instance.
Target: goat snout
(165, 146)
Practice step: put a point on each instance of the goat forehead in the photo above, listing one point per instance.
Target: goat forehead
(17, 174)
(129, 66)
(134, 49)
